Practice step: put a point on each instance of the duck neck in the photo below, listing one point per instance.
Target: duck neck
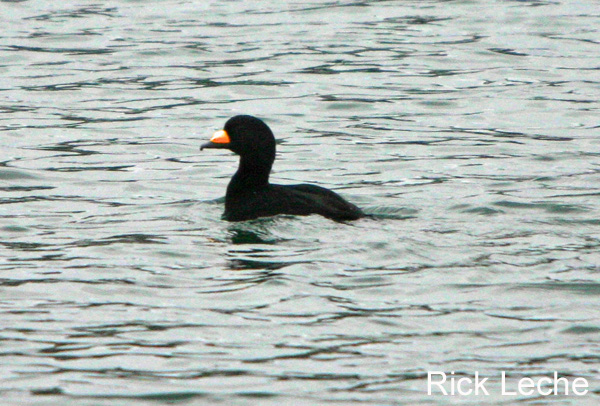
(251, 174)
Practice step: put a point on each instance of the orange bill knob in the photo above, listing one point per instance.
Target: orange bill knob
(220, 139)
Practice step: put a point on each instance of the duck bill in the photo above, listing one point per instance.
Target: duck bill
(220, 139)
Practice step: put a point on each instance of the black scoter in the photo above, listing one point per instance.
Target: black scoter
(250, 195)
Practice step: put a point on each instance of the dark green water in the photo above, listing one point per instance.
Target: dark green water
(469, 129)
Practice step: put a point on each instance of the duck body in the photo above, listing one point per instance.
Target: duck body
(249, 193)
(300, 200)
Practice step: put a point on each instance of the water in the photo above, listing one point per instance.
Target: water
(469, 129)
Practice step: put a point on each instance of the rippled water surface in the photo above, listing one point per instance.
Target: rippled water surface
(469, 130)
